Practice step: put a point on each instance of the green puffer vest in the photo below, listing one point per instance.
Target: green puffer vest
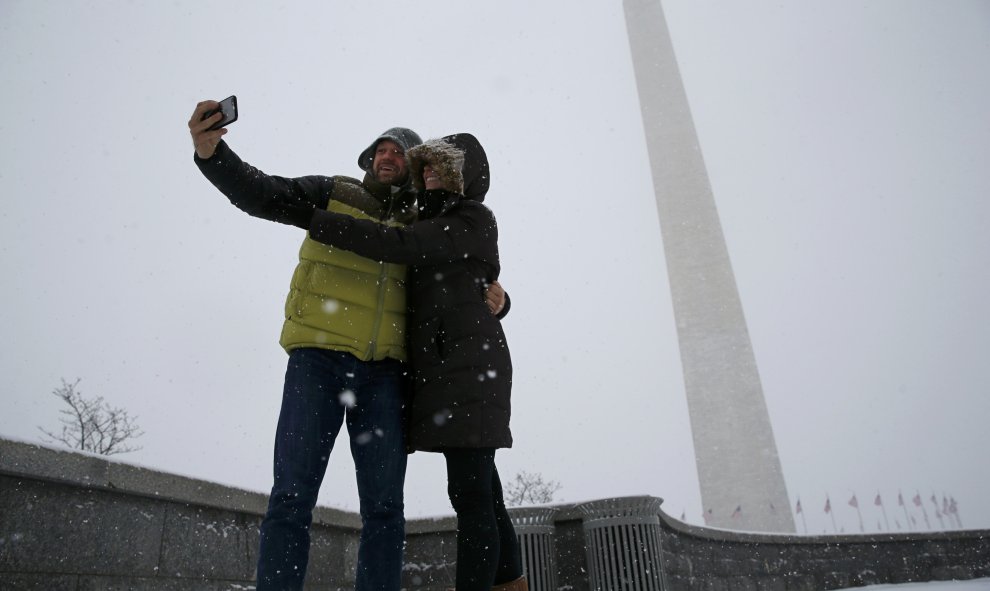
(341, 301)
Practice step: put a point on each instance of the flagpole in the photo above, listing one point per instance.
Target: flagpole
(917, 501)
(907, 518)
(947, 511)
(955, 512)
(879, 501)
(855, 503)
(938, 514)
(828, 509)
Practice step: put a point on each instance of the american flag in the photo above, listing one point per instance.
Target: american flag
(797, 509)
(853, 502)
(878, 501)
(917, 499)
(828, 505)
(737, 512)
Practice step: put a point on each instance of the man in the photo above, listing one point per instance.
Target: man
(344, 331)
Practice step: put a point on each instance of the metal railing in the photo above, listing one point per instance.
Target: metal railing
(622, 538)
(535, 531)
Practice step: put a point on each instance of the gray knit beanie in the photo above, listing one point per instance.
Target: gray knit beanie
(406, 138)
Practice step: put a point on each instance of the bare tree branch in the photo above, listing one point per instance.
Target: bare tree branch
(92, 424)
(530, 489)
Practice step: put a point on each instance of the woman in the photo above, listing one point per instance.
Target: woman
(460, 359)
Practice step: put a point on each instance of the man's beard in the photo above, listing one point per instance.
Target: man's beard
(393, 178)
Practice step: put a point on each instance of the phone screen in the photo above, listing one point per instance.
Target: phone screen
(228, 107)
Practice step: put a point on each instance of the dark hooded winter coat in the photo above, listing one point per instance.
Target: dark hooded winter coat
(461, 363)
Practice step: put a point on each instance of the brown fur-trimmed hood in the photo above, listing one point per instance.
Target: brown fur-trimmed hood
(447, 159)
(473, 170)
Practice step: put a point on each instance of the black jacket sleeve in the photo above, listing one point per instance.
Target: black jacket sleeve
(259, 194)
(467, 230)
(505, 308)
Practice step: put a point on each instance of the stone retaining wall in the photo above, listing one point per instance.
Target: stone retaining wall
(703, 558)
(79, 522)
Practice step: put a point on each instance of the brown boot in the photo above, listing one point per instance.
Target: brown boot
(519, 584)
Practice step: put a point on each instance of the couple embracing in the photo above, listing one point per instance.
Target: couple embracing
(392, 325)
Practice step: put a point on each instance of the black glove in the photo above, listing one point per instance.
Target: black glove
(292, 212)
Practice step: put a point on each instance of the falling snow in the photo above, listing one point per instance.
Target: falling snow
(347, 398)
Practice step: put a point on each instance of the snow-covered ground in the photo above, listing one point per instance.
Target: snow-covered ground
(973, 585)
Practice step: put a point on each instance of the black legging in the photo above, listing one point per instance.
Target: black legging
(487, 550)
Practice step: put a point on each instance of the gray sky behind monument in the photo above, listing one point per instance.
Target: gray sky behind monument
(846, 143)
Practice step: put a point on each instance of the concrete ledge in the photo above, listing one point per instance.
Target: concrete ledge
(98, 472)
(77, 521)
(724, 535)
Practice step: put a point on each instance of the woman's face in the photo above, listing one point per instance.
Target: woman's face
(431, 178)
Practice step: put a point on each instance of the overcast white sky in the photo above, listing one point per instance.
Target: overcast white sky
(847, 145)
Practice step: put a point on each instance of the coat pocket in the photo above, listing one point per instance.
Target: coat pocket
(429, 342)
(440, 341)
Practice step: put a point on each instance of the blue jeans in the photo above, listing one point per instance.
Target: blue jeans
(323, 387)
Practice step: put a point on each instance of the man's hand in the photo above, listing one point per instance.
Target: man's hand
(204, 140)
(495, 297)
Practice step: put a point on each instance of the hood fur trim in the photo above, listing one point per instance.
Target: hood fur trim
(444, 157)
(477, 173)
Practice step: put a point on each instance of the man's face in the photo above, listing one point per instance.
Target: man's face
(389, 165)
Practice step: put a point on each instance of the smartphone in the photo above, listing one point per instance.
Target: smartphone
(228, 107)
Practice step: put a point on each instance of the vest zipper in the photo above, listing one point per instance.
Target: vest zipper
(380, 311)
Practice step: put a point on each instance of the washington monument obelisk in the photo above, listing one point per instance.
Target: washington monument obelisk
(742, 486)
